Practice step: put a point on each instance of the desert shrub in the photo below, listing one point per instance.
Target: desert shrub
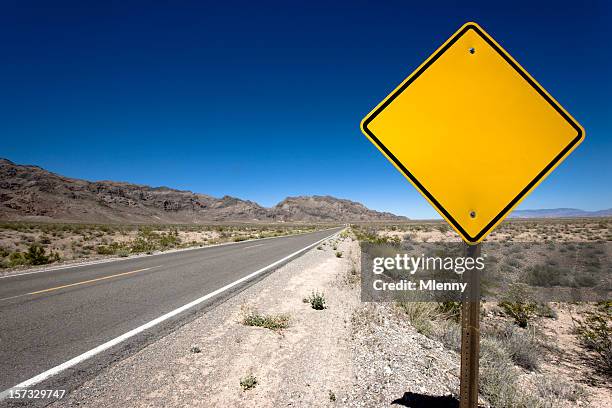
(148, 240)
(36, 255)
(421, 315)
(546, 276)
(365, 235)
(498, 377)
(248, 382)
(332, 396)
(16, 259)
(522, 347)
(517, 304)
(521, 312)
(272, 322)
(105, 250)
(450, 309)
(4, 252)
(45, 240)
(554, 391)
(595, 333)
(545, 310)
(141, 244)
(316, 300)
(338, 254)
(169, 240)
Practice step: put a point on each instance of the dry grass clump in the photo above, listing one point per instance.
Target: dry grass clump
(278, 322)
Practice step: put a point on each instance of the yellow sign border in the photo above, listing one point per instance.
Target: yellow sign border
(533, 184)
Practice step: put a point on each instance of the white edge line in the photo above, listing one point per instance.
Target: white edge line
(105, 346)
(136, 256)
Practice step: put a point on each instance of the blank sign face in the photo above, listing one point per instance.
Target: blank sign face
(472, 131)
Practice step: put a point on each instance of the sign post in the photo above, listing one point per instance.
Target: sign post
(470, 334)
(474, 133)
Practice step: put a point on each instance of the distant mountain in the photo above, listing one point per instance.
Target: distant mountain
(326, 208)
(560, 213)
(32, 193)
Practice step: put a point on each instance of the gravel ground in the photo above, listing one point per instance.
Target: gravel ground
(392, 359)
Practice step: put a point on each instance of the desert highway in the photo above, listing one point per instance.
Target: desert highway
(53, 317)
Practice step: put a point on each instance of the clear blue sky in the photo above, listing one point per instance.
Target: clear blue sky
(263, 100)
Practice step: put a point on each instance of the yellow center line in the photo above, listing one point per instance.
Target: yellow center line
(80, 283)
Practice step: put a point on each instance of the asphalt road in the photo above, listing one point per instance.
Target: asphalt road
(50, 317)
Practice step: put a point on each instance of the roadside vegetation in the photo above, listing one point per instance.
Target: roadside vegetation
(316, 300)
(278, 322)
(594, 329)
(24, 244)
(248, 382)
(520, 346)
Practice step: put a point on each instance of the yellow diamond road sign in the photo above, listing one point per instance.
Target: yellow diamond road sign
(472, 131)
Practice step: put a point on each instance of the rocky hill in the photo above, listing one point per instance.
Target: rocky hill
(32, 193)
(326, 208)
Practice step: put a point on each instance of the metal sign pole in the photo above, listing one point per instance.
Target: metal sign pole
(470, 335)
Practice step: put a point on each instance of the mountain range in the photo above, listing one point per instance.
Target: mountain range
(35, 194)
(560, 213)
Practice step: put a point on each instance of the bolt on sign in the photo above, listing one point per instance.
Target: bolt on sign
(472, 131)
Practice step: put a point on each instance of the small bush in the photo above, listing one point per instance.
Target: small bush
(317, 300)
(36, 255)
(195, 350)
(595, 333)
(272, 322)
(332, 396)
(546, 276)
(522, 347)
(17, 259)
(498, 378)
(338, 254)
(248, 382)
(4, 252)
(555, 390)
(421, 315)
(517, 304)
(545, 310)
(450, 309)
